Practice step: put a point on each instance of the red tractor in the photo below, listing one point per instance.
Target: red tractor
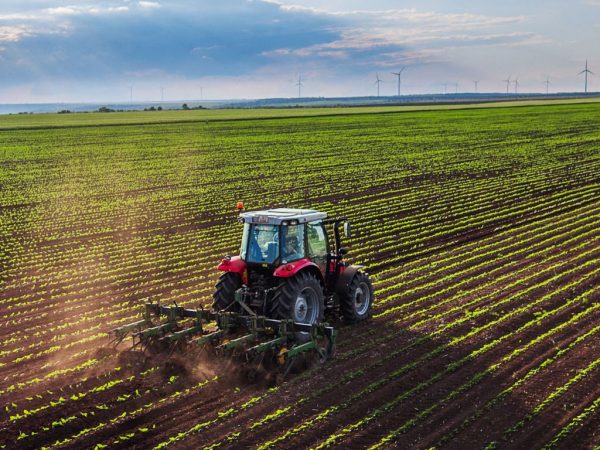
(288, 268)
(273, 297)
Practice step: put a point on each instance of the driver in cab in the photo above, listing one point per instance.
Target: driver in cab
(292, 250)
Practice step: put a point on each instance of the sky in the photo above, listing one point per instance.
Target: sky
(114, 50)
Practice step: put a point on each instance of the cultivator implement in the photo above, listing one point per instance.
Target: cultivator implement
(231, 333)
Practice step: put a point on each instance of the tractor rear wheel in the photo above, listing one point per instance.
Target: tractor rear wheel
(299, 298)
(356, 306)
(224, 294)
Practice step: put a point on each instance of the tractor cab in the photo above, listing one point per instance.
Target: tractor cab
(281, 236)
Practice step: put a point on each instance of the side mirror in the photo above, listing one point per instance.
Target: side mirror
(343, 251)
(347, 230)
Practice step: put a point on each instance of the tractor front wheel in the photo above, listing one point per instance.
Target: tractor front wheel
(224, 294)
(356, 306)
(299, 298)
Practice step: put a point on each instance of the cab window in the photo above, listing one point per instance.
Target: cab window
(262, 245)
(317, 243)
(292, 242)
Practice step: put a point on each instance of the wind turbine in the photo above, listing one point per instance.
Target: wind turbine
(507, 81)
(299, 84)
(162, 94)
(201, 88)
(547, 83)
(130, 93)
(378, 82)
(445, 88)
(456, 88)
(586, 71)
(476, 83)
(516, 85)
(399, 75)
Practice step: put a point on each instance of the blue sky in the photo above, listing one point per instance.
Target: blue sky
(78, 50)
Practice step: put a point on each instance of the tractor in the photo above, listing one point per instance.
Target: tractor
(271, 301)
(288, 269)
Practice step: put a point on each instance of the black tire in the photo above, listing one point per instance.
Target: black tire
(356, 306)
(224, 294)
(299, 298)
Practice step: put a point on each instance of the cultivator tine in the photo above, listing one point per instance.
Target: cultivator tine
(301, 348)
(211, 338)
(331, 343)
(122, 332)
(158, 330)
(183, 334)
(237, 343)
(268, 345)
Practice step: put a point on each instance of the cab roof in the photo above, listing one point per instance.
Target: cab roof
(278, 215)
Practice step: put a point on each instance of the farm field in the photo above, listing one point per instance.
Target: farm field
(480, 227)
(19, 121)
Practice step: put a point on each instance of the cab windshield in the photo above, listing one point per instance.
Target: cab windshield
(260, 243)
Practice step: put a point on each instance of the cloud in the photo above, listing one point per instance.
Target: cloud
(81, 10)
(410, 15)
(19, 16)
(14, 33)
(377, 37)
(148, 5)
(187, 39)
